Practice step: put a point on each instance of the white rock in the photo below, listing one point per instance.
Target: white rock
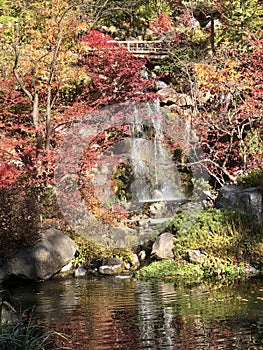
(80, 272)
(67, 267)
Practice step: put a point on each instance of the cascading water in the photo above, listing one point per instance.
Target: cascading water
(151, 174)
(156, 177)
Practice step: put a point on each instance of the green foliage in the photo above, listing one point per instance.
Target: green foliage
(253, 179)
(9, 12)
(232, 242)
(221, 233)
(219, 267)
(239, 18)
(91, 254)
(253, 147)
(121, 179)
(132, 17)
(169, 269)
(74, 87)
(150, 9)
(24, 336)
(191, 46)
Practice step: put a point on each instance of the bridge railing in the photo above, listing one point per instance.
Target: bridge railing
(141, 47)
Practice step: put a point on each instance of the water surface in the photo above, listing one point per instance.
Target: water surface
(108, 313)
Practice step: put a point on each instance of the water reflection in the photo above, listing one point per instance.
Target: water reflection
(100, 314)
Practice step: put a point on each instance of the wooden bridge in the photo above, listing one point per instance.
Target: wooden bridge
(141, 48)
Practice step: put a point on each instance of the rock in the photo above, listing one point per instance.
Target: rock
(142, 255)
(111, 266)
(135, 261)
(158, 210)
(248, 200)
(110, 270)
(123, 277)
(197, 256)
(159, 84)
(44, 259)
(171, 96)
(80, 272)
(124, 237)
(250, 271)
(111, 261)
(67, 267)
(207, 198)
(163, 246)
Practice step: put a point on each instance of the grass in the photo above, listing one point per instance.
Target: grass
(24, 336)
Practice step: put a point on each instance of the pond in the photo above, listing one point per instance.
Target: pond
(111, 313)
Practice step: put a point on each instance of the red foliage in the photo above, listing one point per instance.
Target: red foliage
(231, 135)
(116, 75)
(253, 72)
(98, 40)
(161, 24)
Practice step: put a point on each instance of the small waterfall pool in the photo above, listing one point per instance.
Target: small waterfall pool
(111, 313)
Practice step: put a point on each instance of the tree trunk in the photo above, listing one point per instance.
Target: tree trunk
(48, 118)
(35, 116)
(212, 34)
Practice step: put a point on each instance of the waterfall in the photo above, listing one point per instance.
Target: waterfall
(156, 177)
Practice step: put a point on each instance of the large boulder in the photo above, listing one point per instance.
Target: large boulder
(163, 246)
(44, 259)
(247, 200)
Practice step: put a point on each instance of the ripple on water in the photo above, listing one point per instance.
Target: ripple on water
(105, 313)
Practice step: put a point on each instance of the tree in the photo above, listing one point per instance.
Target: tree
(43, 59)
(55, 73)
(238, 18)
(230, 124)
(116, 75)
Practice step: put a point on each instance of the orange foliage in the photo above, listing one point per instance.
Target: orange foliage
(161, 24)
(210, 78)
(52, 35)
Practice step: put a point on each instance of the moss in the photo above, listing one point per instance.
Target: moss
(169, 269)
(253, 179)
(91, 254)
(232, 242)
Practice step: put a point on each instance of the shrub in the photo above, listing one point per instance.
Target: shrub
(232, 242)
(253, 179)
(21, 212)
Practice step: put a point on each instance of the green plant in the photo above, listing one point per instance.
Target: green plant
(24, 336)
(231, 242)
(169, 269)
(253, 179)
(91, 254)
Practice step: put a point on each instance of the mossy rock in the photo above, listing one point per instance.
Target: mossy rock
(233, 243)
(253, 179)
